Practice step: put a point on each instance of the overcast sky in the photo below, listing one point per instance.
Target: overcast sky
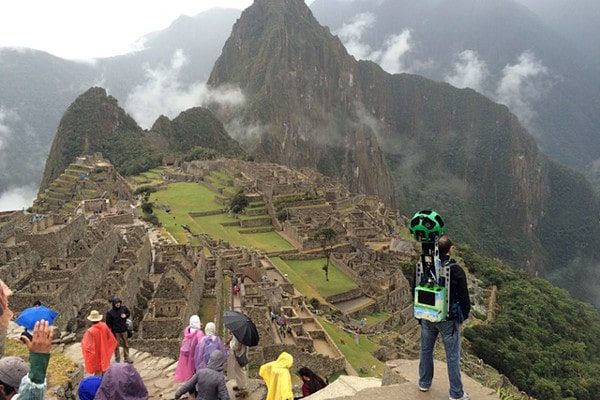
(81, 29)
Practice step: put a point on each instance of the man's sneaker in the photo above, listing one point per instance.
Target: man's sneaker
(423, 389)
(465, 396)
(130, 361)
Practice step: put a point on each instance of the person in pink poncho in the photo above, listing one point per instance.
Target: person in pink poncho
(192, 334)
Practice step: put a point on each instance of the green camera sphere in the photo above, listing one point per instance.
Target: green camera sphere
(426, 225)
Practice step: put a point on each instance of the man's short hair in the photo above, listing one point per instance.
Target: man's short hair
(444, 244)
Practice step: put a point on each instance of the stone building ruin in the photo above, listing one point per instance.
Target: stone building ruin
(78, 249)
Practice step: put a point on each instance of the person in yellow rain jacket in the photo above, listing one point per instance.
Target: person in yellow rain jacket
(277, 377)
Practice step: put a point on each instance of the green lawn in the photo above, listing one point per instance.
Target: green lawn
(184, 197)
(151, 177)
(358, 355)
(309, 277)
(377, 317)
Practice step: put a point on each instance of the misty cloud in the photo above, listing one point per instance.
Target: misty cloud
(522, 84)
(519, 85)
(6, 116)
(17, 198)
(164, 94)
(394, 49)
(351, 35)
(392, 53)
(244, 133)
(469, 71)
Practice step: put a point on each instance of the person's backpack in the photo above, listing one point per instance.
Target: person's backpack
(129, 324)
(242, 359)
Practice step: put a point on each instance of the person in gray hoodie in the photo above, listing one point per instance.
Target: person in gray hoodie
(209, 381)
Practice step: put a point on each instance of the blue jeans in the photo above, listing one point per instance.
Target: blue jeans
(450, 331)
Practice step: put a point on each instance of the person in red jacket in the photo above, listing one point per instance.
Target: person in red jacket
(97, 345)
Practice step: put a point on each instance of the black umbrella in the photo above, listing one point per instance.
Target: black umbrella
(242, 327)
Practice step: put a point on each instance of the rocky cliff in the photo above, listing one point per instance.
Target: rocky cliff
(303, 97)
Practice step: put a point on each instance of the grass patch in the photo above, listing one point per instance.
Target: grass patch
(183, 197)
(150, 178)
(207, 310)
(221, 175)
(358, 355)
(59, 367)
(377, 317)
(309, 278)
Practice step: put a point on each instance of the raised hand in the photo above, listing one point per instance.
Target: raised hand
(42, 337)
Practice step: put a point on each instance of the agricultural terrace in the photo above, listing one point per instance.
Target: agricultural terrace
(174, 202)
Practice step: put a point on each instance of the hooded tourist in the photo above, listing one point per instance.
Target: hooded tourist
(97, 345)
(88, 387)
(116, 319)
(277, 377)
(311, 382)
(192, 334)
(209, 343)
(122, 382)
(209, 381)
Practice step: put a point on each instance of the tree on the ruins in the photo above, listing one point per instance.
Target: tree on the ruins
(145, 192)
(238, 203)
(326, 236)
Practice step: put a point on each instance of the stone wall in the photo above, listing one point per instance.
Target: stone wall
(177, 296)
(54, 239)
(16, 264)
(66, 294)
(348, 295)
(120, 219)
(10, 221)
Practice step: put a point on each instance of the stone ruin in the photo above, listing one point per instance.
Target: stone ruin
(76, 261)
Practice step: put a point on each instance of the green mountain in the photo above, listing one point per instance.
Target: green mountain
(414, 142)
(96, 123)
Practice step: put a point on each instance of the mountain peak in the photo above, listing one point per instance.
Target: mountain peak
(93, 116)
(304, 101)
(282, 31)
